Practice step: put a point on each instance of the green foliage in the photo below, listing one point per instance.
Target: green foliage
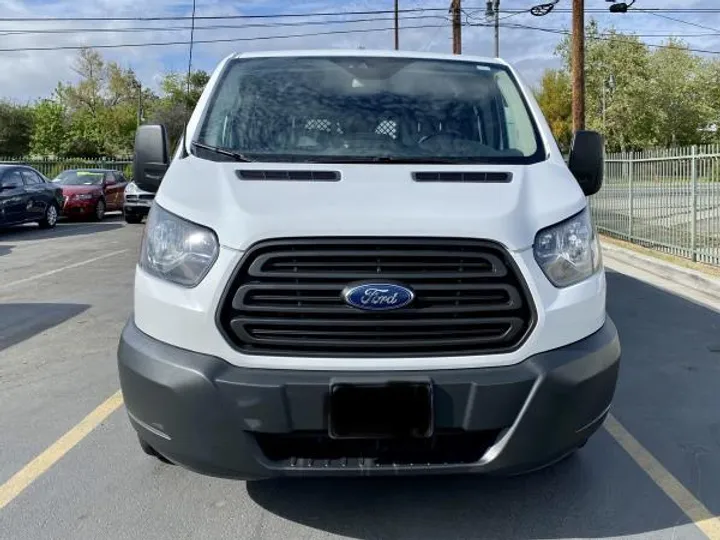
(555, 99)
(49, 132)
(96, 117)
(173, 108)
(661, 96)
(16, 124)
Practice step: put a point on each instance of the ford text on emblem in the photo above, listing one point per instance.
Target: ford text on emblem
(377, 296)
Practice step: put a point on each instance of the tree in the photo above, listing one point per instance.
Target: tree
(624, 59)
(49, 137)
(16, 122)
(102, 105)
(678, 96)
(175, 104)
(555, 99)
(661, 97)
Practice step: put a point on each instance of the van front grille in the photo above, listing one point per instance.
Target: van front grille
(285, 298)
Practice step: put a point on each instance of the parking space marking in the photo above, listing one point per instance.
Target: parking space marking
(38, 466)
(671, 486)
(61, 269)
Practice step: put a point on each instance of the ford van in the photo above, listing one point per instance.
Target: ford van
(367, 263)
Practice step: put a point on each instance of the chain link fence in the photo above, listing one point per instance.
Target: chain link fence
(667, 200)
(53, 167)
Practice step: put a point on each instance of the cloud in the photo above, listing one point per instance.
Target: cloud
(26, 76)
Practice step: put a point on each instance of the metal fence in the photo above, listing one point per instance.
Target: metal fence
(667, 200)
(52, 167)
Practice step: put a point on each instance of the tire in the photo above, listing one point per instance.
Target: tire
(150, 451)
(99, 213)
(133, 218)
(51, 217)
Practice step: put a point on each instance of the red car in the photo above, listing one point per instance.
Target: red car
(91, 192)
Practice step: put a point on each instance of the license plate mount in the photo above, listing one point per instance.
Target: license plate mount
(381, 410)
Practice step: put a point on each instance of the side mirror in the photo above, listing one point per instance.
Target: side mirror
(152, 156)
(587, 160)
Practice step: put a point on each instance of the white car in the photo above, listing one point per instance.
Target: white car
(367, 263)
(137, 203)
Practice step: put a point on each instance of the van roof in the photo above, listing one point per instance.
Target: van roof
(368, 53)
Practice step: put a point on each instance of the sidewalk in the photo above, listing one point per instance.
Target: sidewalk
(703, 282)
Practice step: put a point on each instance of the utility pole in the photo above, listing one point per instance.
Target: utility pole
(140, 105)
(397, 24)
(492, 11)
(497, 28)
(137, 85)
(456, 26)
(578, 64)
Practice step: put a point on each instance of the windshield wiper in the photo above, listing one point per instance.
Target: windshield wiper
(237, 156)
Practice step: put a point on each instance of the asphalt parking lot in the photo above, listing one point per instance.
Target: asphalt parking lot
(652, 473)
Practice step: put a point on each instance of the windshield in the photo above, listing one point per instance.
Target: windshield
(80, 178)
(366, 109)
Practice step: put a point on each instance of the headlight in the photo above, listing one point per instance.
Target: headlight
(131, 189)
(177, 250)
(84, 196)
(569, 251)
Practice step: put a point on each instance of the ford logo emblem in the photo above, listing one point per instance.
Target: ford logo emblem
(377, 296)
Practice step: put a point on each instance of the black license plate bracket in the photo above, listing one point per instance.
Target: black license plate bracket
(381, 410)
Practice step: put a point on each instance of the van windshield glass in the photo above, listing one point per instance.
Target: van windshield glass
(367, 109)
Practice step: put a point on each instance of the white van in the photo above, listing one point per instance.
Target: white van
(367, 263)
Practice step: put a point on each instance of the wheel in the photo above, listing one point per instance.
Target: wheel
(150, 451)
(51, 217)
(99, 210)
(133, 218)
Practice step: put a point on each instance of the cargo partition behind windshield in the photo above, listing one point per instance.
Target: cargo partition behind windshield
(358, 109)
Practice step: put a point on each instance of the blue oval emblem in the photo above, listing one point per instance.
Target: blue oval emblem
(378, 296)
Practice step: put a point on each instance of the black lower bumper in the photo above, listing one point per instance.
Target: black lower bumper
(136, 209)
(221, 420)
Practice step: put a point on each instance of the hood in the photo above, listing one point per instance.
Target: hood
(74, 190)
(372, 200)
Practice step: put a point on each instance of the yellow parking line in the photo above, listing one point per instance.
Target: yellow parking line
(681, 496)
(33, 470)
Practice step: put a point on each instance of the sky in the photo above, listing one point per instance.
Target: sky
(29, 75)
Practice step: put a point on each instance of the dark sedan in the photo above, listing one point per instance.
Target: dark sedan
(27, 196)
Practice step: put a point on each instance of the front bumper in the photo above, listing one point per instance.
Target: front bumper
(136, 208)
(222, 420)
(79, 208)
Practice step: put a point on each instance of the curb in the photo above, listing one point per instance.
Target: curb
(684, 276)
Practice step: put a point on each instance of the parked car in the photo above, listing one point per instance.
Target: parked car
(91, 192)
(367, 263)
(27, 196)
(137, 203)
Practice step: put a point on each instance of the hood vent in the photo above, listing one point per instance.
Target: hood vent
(469, 177)
(295, 176)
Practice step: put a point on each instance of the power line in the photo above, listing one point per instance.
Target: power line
(566, 32)
(677, 20)
(647, 10)
(133, 29)
(515, 26)
(224, 17)
(206, 41)
(334, 14)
